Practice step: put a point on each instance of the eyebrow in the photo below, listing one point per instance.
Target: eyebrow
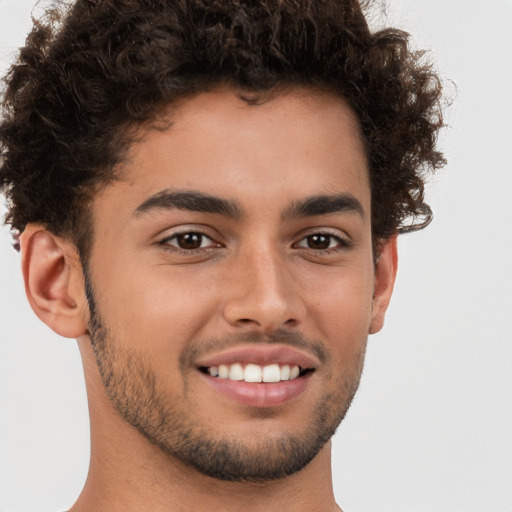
(201, 202)
(324, 205)
(191, 201)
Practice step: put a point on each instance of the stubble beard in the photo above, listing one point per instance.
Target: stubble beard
(133, 389)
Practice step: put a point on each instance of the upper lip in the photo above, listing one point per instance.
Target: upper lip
(261, 355)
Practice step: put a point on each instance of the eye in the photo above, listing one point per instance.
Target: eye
(190, 241)
(322, 242)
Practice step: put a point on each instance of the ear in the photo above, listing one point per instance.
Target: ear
(384, 280)
(54, 281)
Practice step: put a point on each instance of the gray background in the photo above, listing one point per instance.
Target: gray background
(431, 427)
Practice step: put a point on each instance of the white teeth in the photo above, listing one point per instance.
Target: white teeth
(223, 371)
(236, 372)
(254, 372)
(271, 373)
(294, 372)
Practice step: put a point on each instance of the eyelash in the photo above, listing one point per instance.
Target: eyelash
(165, 242)
(342, 243)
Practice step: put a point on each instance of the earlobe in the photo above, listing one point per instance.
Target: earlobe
(53, 280)
(385, 275)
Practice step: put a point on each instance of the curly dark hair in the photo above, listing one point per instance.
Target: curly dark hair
(91, 72)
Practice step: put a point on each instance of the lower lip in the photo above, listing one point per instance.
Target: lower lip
(259, 394)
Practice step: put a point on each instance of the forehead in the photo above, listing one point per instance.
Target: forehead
(293, 144)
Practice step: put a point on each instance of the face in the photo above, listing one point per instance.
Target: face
(231, 281)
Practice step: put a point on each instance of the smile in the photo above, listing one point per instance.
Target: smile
(256, 373)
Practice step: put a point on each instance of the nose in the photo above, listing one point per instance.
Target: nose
(261, 293)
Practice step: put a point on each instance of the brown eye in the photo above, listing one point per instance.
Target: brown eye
(322, 242)
(189, 241)
(319, 242)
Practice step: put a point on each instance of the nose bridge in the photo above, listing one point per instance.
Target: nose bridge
(262, 293)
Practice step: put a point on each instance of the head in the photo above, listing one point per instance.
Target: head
(206, 184)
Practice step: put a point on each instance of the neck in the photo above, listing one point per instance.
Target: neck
(119, 484)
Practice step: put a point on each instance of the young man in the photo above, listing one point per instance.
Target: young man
(208, 196)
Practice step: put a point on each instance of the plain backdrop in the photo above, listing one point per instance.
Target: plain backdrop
(431, 427)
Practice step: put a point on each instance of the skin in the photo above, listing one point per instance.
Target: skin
(257, 277)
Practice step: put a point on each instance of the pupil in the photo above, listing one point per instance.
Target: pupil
(319, 241)
(190, 241)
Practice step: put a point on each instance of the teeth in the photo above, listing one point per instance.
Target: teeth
(236, 372)
(254, 372)
(294, 372)
(223, 371)
(271, 373)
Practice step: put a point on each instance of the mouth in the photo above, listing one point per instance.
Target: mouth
(255, 373)
(259, 376)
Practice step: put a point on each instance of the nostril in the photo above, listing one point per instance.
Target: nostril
(267, 315)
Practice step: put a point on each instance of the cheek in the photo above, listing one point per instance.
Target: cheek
(340, 307)
(158, 309)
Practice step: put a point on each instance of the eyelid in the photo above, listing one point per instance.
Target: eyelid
(172, 233)
(345, 242)
(322, 230)
(166, 241)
